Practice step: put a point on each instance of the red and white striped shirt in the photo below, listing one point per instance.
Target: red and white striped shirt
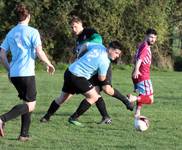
(143, 53)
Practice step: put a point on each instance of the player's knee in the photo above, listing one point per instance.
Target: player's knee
(92, 97)
(108, 89)
(31, 106)
(151, 99)
(60, 100)
(91, 100)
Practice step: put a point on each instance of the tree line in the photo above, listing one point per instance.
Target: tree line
(124, 20)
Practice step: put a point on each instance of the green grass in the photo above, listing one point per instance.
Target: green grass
(164, 133)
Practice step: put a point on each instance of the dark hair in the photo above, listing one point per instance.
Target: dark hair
(116, 45)
(21, 11)
(151, 31)
(75, 19)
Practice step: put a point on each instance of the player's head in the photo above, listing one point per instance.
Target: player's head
(114, 50)
(151, 36)
(76, 25)
(22, 12)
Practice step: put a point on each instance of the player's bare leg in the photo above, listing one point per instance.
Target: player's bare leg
(132, 98)
(138, 111)
(1, 128)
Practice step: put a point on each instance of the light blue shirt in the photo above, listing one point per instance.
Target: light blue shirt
(95, 60)
(22, 41)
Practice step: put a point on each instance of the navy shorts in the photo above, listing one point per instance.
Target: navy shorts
(74, 84)
(26, 87)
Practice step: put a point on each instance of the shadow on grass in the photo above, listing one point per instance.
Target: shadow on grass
(57, 114)
(12, 139)
(167, 98)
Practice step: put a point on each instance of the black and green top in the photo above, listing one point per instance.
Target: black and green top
(87, 35)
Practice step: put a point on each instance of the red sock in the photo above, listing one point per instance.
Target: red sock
(139, 104)
(144, 99)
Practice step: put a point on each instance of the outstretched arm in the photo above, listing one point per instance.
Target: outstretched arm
(42, 56)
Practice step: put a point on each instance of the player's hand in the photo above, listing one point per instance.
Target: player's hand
(136, 74)
(50, 69)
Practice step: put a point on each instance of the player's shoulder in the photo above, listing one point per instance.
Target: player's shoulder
(143, 45)
(89, 31)
(21, 28)
(32, 29)
(93, 45)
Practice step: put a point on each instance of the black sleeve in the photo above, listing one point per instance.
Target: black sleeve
(86, 34)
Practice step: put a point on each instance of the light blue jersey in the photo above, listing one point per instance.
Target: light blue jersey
(22, 41)
(95, 60)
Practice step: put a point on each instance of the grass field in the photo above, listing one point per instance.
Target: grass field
(164, 133)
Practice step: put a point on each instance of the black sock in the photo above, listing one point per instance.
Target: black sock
(121, 97)
(101, 106)
(25, 124)
(52, 109)
(15, 112)
(83, 107)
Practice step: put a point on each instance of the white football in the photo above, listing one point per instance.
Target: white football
(141, 123)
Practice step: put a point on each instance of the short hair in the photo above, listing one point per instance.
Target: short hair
(75, 19)
(151, 31)
(116, 45)
(21, 11)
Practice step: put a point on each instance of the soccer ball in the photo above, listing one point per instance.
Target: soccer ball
(141, 123)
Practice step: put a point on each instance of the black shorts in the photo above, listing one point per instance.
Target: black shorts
(26, 87)
(74, 84)
(95, 81)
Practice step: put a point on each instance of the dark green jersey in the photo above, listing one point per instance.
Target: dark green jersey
(87, 35)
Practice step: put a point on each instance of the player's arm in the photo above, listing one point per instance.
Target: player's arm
(107, 88)
(136, 71)
(4, 59)
(82, 50)
(142, 54)
(42, 56)
(102, 71)
(93, 38)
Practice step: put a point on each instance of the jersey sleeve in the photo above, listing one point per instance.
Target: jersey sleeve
(103, 67)
(89, 35)
(142, 51)
(95, 38)
(36, 41)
